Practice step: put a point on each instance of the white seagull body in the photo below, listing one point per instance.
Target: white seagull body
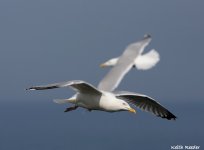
(131, 57)
(91, 98)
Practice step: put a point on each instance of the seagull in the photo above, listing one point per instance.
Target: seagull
(89, 97)
(104, 98)
(131, 57)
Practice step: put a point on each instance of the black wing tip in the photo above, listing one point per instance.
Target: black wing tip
(172, 118)
(169, 116)
(30, 89)
(42, 88)
(147, 36)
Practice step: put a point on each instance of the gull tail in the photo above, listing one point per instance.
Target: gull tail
(148, 60)
(61, 101)
(69, 100)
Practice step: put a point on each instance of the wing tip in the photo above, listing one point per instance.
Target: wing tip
(172, 118)
(169, 116)
(147, 35)
(30, 89)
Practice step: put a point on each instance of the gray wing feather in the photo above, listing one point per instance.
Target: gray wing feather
(124, 64)
(77, 85)
(146, 103)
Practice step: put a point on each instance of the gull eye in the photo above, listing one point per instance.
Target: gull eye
(124, 104)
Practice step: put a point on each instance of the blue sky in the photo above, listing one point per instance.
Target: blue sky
(46, 41)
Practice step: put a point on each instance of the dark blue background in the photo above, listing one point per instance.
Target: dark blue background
(50, 41)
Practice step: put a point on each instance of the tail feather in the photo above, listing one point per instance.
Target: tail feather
(148, 60)
(61, 101)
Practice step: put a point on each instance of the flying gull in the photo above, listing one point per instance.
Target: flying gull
(102, 98)
(91, 98)
(131, 57)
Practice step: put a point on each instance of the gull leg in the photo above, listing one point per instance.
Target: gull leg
(71, 108)
(89, 110)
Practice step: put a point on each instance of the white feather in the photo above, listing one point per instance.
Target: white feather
(61, 101)
(148, 60)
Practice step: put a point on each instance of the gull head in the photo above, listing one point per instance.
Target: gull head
(126, 107)
(109, 63)
(103, 65)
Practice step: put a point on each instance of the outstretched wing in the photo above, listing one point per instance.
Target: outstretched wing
(124, 64)
(146, 103)
(77, 85)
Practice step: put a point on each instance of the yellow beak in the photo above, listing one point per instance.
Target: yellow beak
(132, 110)
(102, 65)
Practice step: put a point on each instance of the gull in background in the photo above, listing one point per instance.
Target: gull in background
(131, 57)
(91, 98)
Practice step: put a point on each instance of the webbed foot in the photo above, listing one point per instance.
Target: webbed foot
(70, 108)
